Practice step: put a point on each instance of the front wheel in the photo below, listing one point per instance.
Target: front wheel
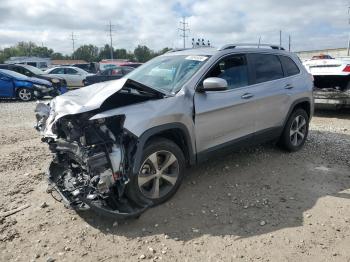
(160, 174)
(25, 94)
(295, 131)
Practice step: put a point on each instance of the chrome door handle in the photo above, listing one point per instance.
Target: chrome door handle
(247, 96)
(289, 86)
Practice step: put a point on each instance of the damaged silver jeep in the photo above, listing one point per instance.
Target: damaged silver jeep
(122, 146)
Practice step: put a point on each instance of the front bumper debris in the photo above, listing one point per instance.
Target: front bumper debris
(80, 202)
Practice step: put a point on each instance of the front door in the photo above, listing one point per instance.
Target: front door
(226, 116)
(6, 86)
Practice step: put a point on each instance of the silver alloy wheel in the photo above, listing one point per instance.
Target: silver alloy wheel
(298, 130)
(158, 174)
(25, 94)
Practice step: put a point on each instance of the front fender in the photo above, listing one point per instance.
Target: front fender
(157, 130)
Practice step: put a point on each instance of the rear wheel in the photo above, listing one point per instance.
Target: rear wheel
(25, 94)
(296, 130)
(160, 174)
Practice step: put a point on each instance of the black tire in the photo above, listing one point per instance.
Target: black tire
(25, 94)
(157, 147)
(293, 141)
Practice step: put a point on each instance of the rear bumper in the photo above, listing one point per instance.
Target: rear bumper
(336, 98)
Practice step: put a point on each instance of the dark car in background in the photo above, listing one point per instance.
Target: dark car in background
(131, 64)
(107, 75)
(17, 86)
(88, 67)
(59, 83)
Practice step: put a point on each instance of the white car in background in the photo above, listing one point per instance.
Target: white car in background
(74, 76)
(331, 80)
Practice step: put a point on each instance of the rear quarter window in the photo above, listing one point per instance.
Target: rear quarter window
(289, 66)
(267, 67)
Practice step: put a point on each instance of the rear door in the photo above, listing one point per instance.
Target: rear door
(74, 77)
(223, 117)
(271, 95)
(6, 86)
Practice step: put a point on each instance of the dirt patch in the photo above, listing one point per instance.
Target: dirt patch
(259, 204)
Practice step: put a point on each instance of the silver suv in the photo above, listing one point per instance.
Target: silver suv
(122, 146)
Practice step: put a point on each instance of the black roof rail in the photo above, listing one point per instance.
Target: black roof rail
(232, 46)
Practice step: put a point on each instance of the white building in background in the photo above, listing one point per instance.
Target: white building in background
(334, 52)
(38, 62)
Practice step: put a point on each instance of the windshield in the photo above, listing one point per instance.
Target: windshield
(34, 70)
(13, 74)
(167, 73)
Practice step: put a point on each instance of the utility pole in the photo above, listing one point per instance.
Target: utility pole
(110, 31)
(280, 39)
(349, 33)
(289, 42)
(73, 43)
(184, 29)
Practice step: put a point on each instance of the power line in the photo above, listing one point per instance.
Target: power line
(73, 43)
(110, 32)
(184, 29)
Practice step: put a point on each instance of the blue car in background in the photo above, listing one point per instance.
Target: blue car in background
(15, 85)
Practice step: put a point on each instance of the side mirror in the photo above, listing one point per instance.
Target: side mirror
(214, 84)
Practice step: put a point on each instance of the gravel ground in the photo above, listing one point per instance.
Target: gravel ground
(260, 204)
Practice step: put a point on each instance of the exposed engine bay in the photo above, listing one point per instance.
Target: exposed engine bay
(93, 159)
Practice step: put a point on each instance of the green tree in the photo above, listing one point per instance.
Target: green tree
(143, 53)
(164, 50)
(88, 53)
(105, 52)
(58, 56)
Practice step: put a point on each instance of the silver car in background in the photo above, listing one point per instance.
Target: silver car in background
(74, 76)
(122, 146)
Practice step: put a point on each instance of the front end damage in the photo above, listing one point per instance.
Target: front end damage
(92, 159)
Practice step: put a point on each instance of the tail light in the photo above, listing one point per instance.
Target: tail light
(347, 69)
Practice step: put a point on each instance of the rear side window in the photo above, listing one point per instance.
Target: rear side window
(267, 67)
(71, 71)
(18, 69)
(57, 71)
(289, 67)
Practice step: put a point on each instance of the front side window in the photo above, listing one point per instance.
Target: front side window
(233, 69)
(106, 72)
(289, 67)
(168, 73)
(267, 67)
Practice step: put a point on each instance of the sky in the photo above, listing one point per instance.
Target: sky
(311, 24)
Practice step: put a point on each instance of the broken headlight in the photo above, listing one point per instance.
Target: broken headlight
(40, 87)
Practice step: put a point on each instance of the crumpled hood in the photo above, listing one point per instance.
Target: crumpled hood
(74, 102)
(39, 81)
(85, 99)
